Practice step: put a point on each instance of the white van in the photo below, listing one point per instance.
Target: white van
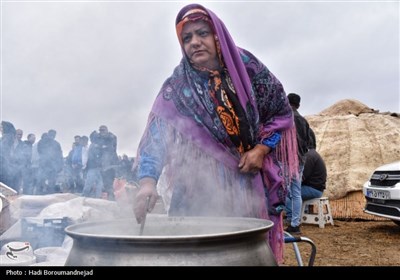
(382, 192)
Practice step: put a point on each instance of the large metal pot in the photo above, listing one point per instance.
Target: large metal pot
(171, 241)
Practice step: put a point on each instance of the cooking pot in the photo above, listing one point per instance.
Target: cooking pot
(171, 241)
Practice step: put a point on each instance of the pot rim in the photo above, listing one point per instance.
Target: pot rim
(261, 226)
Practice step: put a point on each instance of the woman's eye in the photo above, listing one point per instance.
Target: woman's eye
(203, 33)
(186, 39)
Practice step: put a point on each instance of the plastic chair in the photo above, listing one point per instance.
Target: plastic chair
(316, 211)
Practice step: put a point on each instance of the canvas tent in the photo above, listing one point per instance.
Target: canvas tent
(354, 139)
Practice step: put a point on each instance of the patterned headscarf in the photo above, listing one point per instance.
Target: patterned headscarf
(191, 16)
(229, 50)
(220, 88)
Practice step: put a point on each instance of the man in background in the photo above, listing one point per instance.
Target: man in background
(294, 201)
(314, 173)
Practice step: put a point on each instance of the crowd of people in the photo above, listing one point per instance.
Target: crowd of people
(39, 167)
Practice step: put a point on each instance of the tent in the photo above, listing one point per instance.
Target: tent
(354, 140)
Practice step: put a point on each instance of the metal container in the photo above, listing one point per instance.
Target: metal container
(171, 241)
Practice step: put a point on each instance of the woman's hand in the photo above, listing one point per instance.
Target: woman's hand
(251, 161)
(148, 189)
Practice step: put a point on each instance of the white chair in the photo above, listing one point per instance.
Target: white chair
(316, 211)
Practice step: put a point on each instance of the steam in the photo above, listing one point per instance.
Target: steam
(203, 186)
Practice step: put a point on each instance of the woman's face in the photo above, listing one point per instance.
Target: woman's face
(199, 45)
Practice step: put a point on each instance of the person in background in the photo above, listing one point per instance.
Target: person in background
(8, 132)
(74, 160)
(94, 181)
(37, 174)
(314, 173)
(51, 162)
(18, 161)
(125, 167)
(27, 172)
(18, 137)
(293, 211)
(220, 129)
(85, 153)
(108, 143)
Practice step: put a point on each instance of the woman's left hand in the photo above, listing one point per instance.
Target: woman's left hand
(251, 161)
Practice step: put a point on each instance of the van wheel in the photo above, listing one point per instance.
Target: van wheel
(396, 222)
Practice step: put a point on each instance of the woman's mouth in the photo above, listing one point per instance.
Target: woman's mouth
(197, 53)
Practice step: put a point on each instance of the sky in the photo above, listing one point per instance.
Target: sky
(75, 65)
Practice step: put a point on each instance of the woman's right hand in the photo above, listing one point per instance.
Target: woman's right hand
(252, 160)
(148, 189)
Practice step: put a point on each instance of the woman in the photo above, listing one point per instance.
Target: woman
(219, 130)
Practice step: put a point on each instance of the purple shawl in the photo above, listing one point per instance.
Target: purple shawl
(183, 105)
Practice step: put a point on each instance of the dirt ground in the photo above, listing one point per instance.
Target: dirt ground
(349, 243)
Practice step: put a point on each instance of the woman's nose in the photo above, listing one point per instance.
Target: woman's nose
(196, 40)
